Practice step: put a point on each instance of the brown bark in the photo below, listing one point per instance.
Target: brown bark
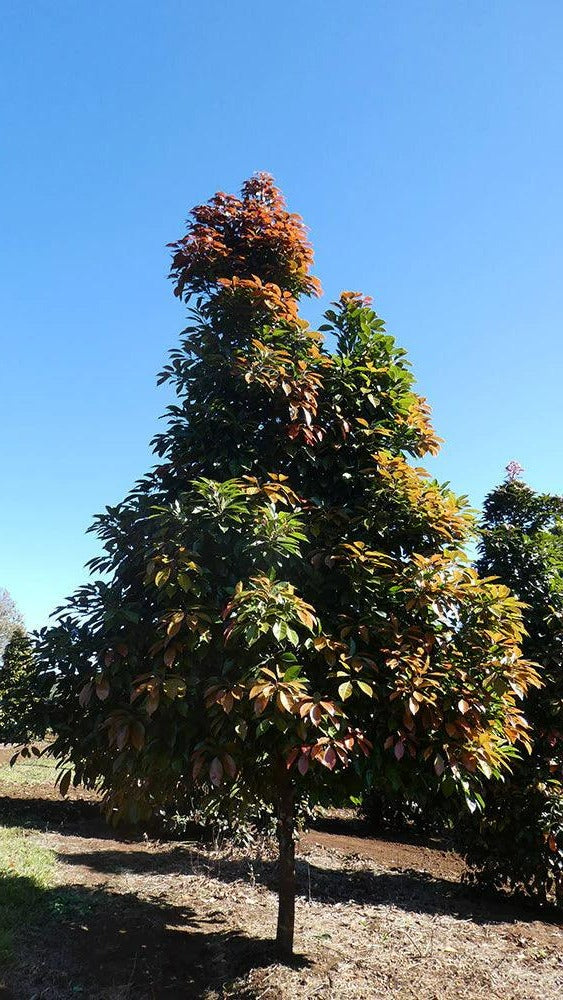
(286, 868)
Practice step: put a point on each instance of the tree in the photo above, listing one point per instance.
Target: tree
(10, 618)
(519, 838)
(282, 599)
(21, 705)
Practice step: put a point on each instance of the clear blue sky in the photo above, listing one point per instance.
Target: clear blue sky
(422, 140)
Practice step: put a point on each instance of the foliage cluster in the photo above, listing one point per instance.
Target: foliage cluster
(22, 704)
(10, 618)
(282, 608)
(518, 839)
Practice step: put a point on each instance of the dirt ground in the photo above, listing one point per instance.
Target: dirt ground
(375, 919)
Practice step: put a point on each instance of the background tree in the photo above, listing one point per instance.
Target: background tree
(22, 708)
(282, 602)
(10, 618)
(519, 838)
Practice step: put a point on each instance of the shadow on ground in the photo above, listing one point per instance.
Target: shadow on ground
(409, 890)
(76, 816)
(358, 827)
(92, 943)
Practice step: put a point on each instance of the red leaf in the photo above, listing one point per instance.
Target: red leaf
(303, 764)
(137, 735)
(315, 715)
(229, 765)
(86, 694)
(102, 688)
(122, 736)
(170, 656)
(216, 772)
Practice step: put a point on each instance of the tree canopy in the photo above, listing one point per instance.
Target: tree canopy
(22, 706)
(282, 604)
(10, 618)
(520, 835)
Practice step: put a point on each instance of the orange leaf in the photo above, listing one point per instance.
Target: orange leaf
(284, 701)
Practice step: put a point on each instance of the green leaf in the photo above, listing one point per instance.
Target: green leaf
(365, 687)
(292, 672)
(174, 687)
(288, 657)
(292, 636)
(185, 581)
(279, 629)
(64, 784)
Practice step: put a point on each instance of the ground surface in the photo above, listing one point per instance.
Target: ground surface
(108, 918)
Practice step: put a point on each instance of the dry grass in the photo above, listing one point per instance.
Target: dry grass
(29, 773)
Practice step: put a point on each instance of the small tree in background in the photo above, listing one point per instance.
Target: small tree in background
(10, 618)
(519, 838)
(283, 606)
(21, 706)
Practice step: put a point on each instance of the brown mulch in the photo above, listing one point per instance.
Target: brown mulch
(141, 919)
(391, 854)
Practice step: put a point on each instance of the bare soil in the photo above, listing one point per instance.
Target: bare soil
(133, 918)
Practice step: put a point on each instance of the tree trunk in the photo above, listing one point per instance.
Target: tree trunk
(286, 870)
